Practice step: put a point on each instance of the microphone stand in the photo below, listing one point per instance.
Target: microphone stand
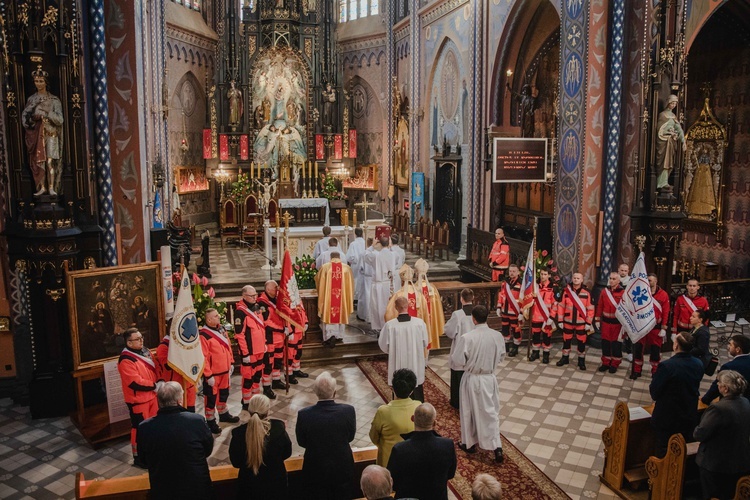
(253, 248)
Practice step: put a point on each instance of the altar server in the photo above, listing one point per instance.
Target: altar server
(354, 255)
(405, 341)
(322, 244)
(480, 351)
(381, 261)
(459, 323)
(366, 270)
(324, 257)
(335, 298)
(217, 370)
(399, 258)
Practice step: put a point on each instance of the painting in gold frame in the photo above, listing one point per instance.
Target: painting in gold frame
(365, 178)
(401, 167)
(104, 302)
(191, 180)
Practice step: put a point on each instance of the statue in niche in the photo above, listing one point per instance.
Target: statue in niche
(701, 200)
(435, 119)
(669, 133)
(528, 102)
(234, 95)
(329, 103)
(43, 119)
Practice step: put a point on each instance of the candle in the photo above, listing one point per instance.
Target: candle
(316, 170)
(252, 167)
(354, 217)
(674, 267)
(309, 169)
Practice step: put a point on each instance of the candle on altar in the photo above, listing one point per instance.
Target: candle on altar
(309, 169)
(252, 167)
(278, 224)
(316, 170)
(354, 217)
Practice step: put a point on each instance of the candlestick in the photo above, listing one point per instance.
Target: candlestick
(278, 222)
(252, 167)
(316, 170)
(354, 217)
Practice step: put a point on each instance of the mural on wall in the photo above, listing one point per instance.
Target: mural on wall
(367, 120)
(401, 155)
(449, 112)
(279, 106)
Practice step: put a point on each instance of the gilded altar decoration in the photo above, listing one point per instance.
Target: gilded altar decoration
(706, 142)
(365, 178)
(191, 180)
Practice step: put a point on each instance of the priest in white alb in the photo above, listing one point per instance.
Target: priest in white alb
(381, 261)
(399, 258)
(354, 255)
(404, 339)
(335, 298)
(366, 271)
(479, 351)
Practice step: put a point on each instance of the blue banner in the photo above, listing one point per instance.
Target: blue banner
(417, 195)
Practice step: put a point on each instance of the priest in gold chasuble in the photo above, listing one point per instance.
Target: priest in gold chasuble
(436, 323)
(335, 286)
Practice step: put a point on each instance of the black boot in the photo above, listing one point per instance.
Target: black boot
(545, 357)
(513, 351)
(213, 426)
(228, 417)
(534, 355)
(581, 363)
(278, 384)
(499, 455)
(603, 368)
(300, 374)
(245, 406)
(293, 380)
(634, 375)
(563, 361)
(268, 392)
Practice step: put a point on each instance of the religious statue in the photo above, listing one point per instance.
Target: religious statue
(269, 189)
(176, 208)
(527, 111)
(234, 95)
(43, 119)
(669, 134)
(281, 137)
(701, 200)
(329, 102)
(296, 173)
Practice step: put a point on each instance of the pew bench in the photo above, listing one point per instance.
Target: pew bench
(223, 477)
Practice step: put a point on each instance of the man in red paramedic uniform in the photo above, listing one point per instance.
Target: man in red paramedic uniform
(294, 348)
(217, 352)
(684, 307)
(250, 333)
(499, 255)
(274, 360)
(654, 339)
(138, 374)
(509, 310)
(609, 325)
(575, 313)
(543, 318)
(167, 374)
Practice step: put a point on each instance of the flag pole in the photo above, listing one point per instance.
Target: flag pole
(183, 382)
(529, 310)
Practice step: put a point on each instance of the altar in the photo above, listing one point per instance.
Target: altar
(305, 203)
(301, 241)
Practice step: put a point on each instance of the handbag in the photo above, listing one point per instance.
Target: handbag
(711, 366)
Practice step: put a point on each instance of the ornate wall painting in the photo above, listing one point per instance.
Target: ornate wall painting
(279, 105)
(191, 180)
(401, 153)
(104, 302)
(366, 178)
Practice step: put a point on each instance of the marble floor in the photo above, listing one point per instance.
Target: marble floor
(553, 415)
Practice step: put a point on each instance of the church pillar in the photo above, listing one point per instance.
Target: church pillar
(593, 150)
(475, 166)
(574, 20)
(614, 162)
(101, 133)
(415, 27)
(390, 51)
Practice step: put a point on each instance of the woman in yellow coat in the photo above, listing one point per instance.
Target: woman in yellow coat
(395, 418)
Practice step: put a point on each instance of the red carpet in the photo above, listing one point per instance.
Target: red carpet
(521, 479)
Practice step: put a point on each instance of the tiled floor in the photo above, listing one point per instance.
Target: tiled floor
(553, 415)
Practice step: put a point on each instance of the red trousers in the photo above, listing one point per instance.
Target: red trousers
(251, 377)
(651, 343)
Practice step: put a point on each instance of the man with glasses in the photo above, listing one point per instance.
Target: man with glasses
(250, 333)
(739, 350)
(139, 380)
(499, 255)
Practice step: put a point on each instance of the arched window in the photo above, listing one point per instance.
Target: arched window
(352, 10)
(373, 7)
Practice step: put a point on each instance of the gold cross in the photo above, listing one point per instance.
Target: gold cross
(364, 204)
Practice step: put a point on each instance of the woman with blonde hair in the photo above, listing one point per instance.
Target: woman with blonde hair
(258, 449)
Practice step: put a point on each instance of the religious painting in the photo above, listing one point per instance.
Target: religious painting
(401, 165)
(279, 104)
(365, 178)
(190, 180)
(104, 302)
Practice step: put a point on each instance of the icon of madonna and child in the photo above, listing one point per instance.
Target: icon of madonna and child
(279, 113)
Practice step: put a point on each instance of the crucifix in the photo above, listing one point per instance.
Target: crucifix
(364, 204)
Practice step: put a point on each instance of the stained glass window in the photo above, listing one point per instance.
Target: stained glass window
(362, 8)
(342, 11)
(373, 7)
(352, 9)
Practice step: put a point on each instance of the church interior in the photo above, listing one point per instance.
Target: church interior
(141, 138)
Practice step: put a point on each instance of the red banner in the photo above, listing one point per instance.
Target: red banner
(352, 143)
(338, 146)
(206, 143)
(320, 150)
(223, 147)
(336, 278)
(244, 147)
(288, 302)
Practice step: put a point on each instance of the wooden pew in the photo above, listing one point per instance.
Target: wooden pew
(743, 489)
(628, 464)
(666, 476)
(224, 478)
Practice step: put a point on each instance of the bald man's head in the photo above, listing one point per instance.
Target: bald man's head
(424, 417)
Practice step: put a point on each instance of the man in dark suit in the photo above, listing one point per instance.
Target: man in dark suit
(674, 390)
(739, 349)
(175, 445)
(325, 431)
(422, 464)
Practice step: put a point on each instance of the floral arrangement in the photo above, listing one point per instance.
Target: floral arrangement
(202, 300)
(305, 271)
(543, 260)
(331, 189)
(242, 187)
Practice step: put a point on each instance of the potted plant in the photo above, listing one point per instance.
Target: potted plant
(337, 198)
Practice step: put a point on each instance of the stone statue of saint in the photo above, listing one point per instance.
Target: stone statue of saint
(527, 111)
(329, 102)
(669, 134)
(234, 95)
(43, 119)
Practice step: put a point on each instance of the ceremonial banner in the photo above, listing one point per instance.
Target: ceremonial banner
(166, 273)
(244, 147)
(158, 211)
(223, 147)
(288, 301)
(338, 146)
(636, 309)
(320, 150)
(206, 143)
(528, 288)
(352, 143)
(185, 354)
